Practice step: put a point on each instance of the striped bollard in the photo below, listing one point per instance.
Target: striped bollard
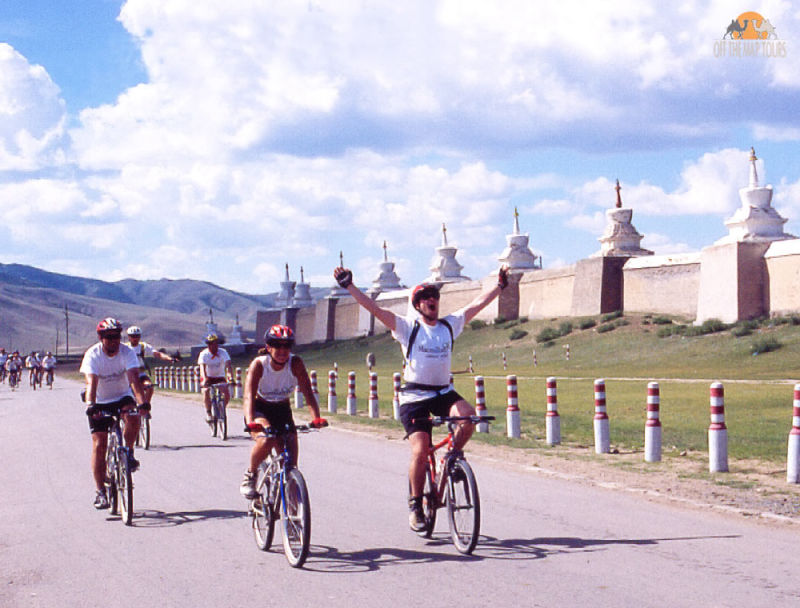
(332, 400)
(602, 439)
(172, 373)
(299, 399)
(652, 428)
(505, 363)
(190, 387)
(535, 362)
(480, 403)
(373, 395)
(793, 461)
(336, 369)
(471, 369)
(239, 385)
(314, 387)
(197, 375)
(397, 379)
(352, 403)
(185, 379)
(717, 431)
(566, 353)
(157, 376)
(452, 387)
(552, 420)
(512, 411)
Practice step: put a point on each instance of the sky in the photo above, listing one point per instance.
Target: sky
(216, 141)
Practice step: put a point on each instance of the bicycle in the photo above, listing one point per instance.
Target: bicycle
(282, 492)
(119, 477)
(219, 415)
(143, 438)
(13, 379)
(49, 378)
(35, 378)
(452, 484)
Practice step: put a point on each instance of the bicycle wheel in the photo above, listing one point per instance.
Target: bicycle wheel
(112, 470)
(143, 439)
(428, 504)
(222, 422)
(463, 506)
(296, 518)
(214, 418)
(125, 487)
(263, 517)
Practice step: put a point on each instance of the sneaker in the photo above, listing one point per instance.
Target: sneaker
(101, 500)
(416, 518)
(248, 487)
(134, 464)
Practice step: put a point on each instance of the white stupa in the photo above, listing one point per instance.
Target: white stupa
(620, 238)
(755, 221)
(387, 279)
(236, 333)
(517, 254)
(302, 295)
(286, 295)
(444, 267)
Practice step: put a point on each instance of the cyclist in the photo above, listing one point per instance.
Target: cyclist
(270, 380)
(33, 363)
(112, 379)
(143, 349)
(427, 342)
(3, 359)
(14, 368)
(215, 368)
(49, 367)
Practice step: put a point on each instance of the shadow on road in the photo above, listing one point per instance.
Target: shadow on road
(160, 519)
(333, 561)
(176, 448)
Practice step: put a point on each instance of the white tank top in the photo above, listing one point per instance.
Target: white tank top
(275, 385)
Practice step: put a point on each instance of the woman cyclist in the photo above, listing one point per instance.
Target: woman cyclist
(270, 380)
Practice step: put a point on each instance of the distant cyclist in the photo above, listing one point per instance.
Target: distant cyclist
(142, 350)
(427, 342)
(215, 369)
(112, 379)
(33, 365)
(14, 368)
(49, 367)
(270, 380)
(3, 359)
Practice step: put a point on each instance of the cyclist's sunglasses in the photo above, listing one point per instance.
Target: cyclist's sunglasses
(429, 293)
(111, 336)
(287, 345)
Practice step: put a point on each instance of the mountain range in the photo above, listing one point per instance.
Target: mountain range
(35, 305)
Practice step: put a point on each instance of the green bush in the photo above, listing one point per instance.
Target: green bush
(764, 344)
(477, 324)
(548, 334)
(740, 331)
(523, 319)
(586, 323)
(711, 326)
(611, 316)
(498, 321)
(517, 334)
(601, 329)
(662, 320)
(621, 322)
(565, 328)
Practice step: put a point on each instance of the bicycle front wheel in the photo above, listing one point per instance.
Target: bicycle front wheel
(463, 507)
(263, 518)
(428, 504)
(222, 421)
(125, 488)
(112, 471)
(296, 518)
(144, 433)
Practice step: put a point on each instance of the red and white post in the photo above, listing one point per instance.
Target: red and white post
(332, 400)
(505, 362)
(352, 403)
(552, 420)
(793, 460)
(314, 386)
(471, 369)
(239, 385)
(535, 362)
(602, 435)
(480, 403)
(299, 400)
(397, 381)
(196, 370)
(717, 431)
(512, 411)
(652, 428)
(373, 395)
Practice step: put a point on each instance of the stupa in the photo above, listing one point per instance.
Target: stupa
(236, 333)
(302, 295)
(517, 254)
(444, 267)
(620, 238)
(756, 221)
(387, 279)
(286, 295)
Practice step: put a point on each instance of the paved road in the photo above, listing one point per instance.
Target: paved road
(545, 541)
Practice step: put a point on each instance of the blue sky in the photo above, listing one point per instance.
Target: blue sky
(219, 141)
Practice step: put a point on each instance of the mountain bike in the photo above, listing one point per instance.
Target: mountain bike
(119, 476)
(13, 379)
(219, 415)
(452, 484)
(50, 374)
(35, 378)
(282, 493)
(143, 438)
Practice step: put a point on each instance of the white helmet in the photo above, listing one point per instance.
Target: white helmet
(133, 330)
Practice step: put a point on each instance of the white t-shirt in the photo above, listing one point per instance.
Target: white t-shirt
(48, 362)
(143, 348)
(276, 385)
(215, 365)
(430, 355)
(113, 382)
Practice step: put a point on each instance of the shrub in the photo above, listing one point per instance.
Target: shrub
(523, 319)
(510, 324)
(499, 320)
(586, 323)
(740, 331)
(565, 328)
(611, 316)
(477, 324)
(764, 345)
(548, 334)
(517, 334)
(601, 329)
(621, 322)
(662, 320)
(711, 326)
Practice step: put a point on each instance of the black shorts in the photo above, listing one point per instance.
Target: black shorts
(277, 413)
(415, 415)
(103, 425)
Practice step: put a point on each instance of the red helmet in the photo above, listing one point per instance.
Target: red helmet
(278, 335)
(423, 291)
(109, 325)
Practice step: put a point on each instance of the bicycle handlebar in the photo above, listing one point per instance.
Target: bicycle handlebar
(439, 420)
(273, 432)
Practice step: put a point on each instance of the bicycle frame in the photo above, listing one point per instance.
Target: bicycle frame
(119, 476)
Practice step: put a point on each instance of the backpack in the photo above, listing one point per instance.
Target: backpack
(415, 331)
